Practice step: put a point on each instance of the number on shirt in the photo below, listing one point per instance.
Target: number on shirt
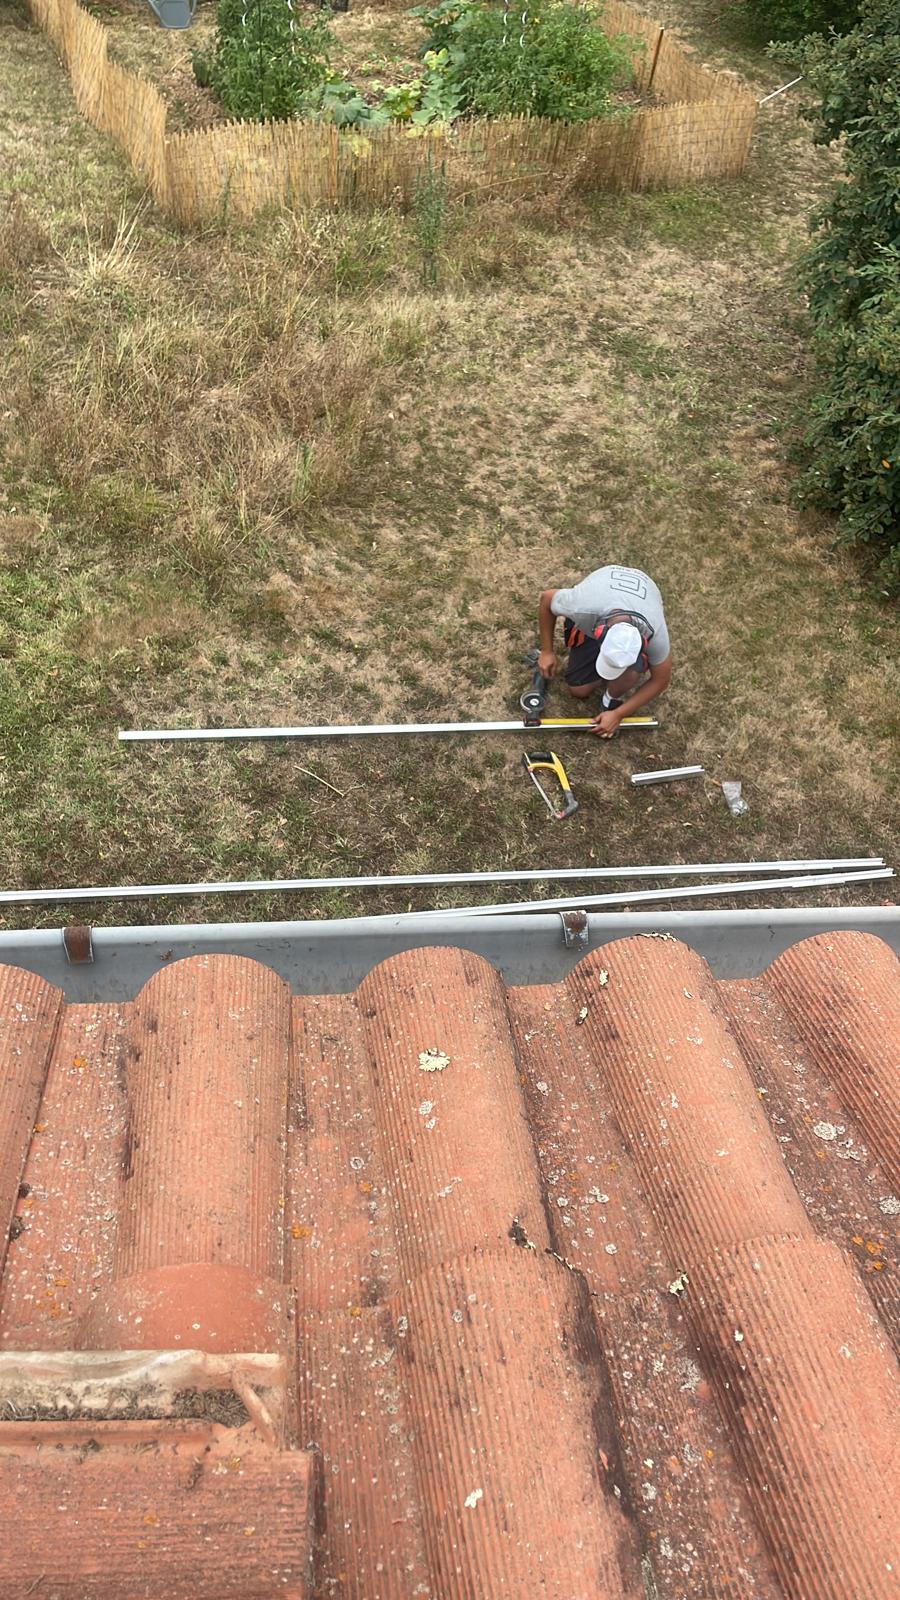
(628, 581)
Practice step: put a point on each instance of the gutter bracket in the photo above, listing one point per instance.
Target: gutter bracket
(78, 943)
(575, 930)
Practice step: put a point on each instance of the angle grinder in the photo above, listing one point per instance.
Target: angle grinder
(535, 698)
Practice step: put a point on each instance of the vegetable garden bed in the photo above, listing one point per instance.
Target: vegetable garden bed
(335, 151)
(376, 51)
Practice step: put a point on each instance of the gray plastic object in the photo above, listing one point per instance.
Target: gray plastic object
(174, 13)
(735, 802)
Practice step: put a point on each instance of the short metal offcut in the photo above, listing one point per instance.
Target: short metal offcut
(666, 775)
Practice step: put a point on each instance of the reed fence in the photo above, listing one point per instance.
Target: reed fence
(700, 128)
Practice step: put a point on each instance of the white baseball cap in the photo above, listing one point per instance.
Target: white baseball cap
(620, 650)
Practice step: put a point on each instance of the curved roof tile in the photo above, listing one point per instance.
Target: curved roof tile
(585, 1289)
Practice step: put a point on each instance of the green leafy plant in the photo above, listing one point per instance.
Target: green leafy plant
(430, 213)
(440, 100)
(794, 19)
(402, 100)
(431, 98)
(851, 274)
(340, 102)
(483, 59)
(265, 59)
(551, 60)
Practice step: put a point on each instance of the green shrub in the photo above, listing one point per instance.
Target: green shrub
(794, 19)
(555, 61)
(851, 274)
(265, 61)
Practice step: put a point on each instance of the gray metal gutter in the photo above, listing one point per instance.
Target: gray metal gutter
(333, 957)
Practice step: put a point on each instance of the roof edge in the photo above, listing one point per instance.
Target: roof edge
(333, 957)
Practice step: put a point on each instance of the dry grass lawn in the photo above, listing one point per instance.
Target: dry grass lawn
(266, 476)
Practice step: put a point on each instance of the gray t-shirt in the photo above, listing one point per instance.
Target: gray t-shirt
(612, 589)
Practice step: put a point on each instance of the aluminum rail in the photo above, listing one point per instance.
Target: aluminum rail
(139, 891)
(346, 731)
(584, 902)
(666, 775)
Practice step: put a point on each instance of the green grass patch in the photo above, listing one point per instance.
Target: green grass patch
(265, 476)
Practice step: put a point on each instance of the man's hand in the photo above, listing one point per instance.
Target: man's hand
(547, 663)
(606, 722)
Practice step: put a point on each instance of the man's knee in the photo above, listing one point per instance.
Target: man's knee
(581, 691)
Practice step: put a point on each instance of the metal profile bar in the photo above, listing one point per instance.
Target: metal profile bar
(140, 891)
(693, 890)
(666, 775)
(351, 731)
(775, 92)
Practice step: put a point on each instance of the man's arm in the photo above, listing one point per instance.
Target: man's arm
(606, 722)
(546, 631)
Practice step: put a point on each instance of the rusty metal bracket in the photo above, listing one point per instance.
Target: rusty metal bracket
(78, 943)
(575, 930)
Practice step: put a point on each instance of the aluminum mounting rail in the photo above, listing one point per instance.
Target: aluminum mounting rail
(622, 898)
(666, 775)
(348, 731)
(139, 891)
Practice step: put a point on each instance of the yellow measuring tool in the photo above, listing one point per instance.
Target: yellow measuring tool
(539, 761)
(588, 722)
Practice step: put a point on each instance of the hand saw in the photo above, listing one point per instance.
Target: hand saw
(536, 761)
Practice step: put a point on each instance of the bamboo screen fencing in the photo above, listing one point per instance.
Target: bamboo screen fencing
(701, 128)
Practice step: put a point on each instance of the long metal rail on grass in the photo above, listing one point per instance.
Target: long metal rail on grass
(871, 866)
(623, 898)
(361, 730)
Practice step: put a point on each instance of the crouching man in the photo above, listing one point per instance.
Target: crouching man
(614, 630)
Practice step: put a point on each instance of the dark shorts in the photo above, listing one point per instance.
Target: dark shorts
(581, 667)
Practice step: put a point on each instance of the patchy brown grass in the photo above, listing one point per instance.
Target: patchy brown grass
(263, 476)
(203, 423)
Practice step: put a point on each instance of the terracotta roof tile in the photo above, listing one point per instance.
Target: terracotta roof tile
(504, 1375)
(780, 1323)
(708, 1160)
(73, 1176)
(821, 1143)
(340, 1229)
(29, 1009)
(355, 1413)
(578, 1290)
(207, 1045)
(843, 997)
(182, 1513)
(455, 1136)
(200, 1248)
(675, 1461)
